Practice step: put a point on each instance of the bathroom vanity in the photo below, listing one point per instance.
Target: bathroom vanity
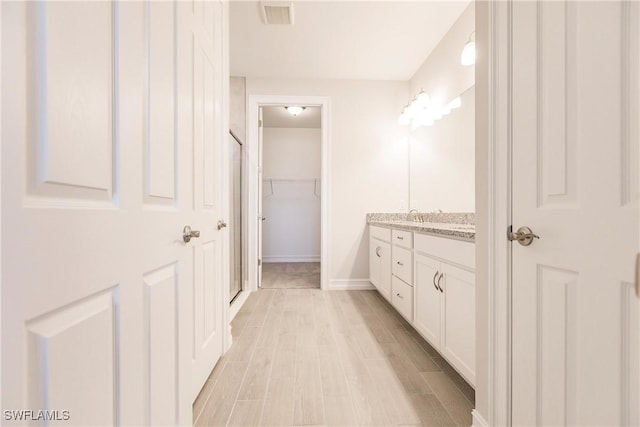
(426, 270)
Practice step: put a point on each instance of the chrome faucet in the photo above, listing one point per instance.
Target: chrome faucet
(417, 215)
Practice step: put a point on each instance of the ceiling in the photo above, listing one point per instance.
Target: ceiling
(364, 40)
(278, 117)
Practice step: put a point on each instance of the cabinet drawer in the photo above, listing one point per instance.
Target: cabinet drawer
(402, 264)
(402, 238)
(402, 298)
(454, 251)
(381, 233)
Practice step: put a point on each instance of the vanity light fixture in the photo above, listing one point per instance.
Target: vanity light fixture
(468, 56)
(294, 111)
(422, 111)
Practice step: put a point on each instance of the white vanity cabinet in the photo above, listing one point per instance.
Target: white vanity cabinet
(430, 280)
(380, 260)
(444, 286)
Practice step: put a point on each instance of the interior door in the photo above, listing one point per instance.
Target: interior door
(202, 125)
(260, 194)
(99, 178)
(575, 184)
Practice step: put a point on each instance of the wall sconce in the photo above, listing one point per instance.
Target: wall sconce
(468, 56)
(422, 111)
(294, 111)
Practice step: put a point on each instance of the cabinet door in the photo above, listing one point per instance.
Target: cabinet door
(380, 266)
(374, 261)
(458, 343)
(427, 314)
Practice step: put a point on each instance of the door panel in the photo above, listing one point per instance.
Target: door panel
(98, 182)
(459, 317)
(161, 330)
(202, 87)
(428, 312)
(160, 167)
(575, 92)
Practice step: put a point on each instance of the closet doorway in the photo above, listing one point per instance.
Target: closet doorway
(291, 196)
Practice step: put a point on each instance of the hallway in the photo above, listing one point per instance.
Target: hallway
(341, 358)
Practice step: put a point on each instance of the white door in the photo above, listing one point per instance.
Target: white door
(99, 179)
(575, 184)
(260, 194)
(202, 126)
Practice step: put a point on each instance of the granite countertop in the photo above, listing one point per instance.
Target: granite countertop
(459, 226)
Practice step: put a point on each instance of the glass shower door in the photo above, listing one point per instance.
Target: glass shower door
(236, 217)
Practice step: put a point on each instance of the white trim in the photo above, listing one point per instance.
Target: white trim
(478, 420)
(499, 158)
(253, 104)
(290, 258)
(351, 285)
(226, 172)
(237, 304)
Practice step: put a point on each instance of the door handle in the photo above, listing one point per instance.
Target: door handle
(524, 236)
(434, 280)
(221, 224)
(439, 279)
(188, 233)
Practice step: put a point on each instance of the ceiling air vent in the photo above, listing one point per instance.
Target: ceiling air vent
(277, 12)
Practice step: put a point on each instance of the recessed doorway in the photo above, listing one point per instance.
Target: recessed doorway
(288, 187)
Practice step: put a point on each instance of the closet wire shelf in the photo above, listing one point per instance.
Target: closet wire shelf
(316, 184)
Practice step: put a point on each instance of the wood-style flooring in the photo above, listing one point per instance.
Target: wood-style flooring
(291, 275)
(335, 358)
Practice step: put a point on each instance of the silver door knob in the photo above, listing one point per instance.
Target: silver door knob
(221, 224)
(524, 236)
(188, 233)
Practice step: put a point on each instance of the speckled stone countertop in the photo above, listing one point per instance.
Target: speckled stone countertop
(459, 226)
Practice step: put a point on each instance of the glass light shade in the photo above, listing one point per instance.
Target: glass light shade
(423, 99)
(468, 56)
(294, 111)
(455, 103)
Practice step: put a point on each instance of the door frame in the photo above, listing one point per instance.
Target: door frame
(253, 105)
(495, 210)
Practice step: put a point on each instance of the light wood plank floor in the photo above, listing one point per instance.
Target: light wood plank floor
(336, 358)
(291, 275)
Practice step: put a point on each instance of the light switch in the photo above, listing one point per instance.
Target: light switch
(403, 205)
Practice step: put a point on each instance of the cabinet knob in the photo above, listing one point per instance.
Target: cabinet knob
(399, 296)
(378, 251)
(399, 263)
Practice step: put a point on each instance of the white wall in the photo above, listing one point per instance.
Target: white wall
(291, 232)
(292, 153)
(368, 159)
(442, 165)
(441, 74)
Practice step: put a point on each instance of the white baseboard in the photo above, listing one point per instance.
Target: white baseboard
(350, 285)
(290, 258)
(478, 420)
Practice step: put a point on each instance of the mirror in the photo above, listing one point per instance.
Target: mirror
(442, 161)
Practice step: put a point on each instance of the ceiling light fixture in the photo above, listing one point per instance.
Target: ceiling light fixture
(468, 56)
(294, 111)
